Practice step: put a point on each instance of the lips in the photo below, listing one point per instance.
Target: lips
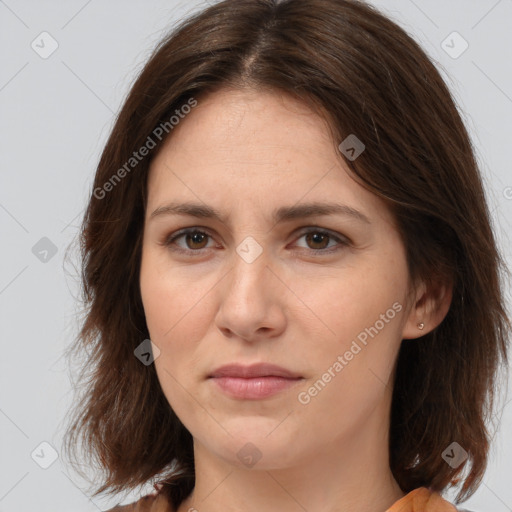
(255, 370)
(254, 382)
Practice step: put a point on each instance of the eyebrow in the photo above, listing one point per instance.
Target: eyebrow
(284, 213)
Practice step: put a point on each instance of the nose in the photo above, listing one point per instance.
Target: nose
(251, 301)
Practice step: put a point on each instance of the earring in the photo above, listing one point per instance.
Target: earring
(421, 325)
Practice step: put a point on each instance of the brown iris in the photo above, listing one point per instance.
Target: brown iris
(317, 238)
(197, 238)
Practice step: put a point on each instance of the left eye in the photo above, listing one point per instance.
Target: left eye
(321, 239)
(317, 240)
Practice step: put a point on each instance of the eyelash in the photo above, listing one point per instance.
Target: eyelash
(169, 241)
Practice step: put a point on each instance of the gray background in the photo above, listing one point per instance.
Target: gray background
(56, 113)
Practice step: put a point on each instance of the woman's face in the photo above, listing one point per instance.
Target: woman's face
(321, 294)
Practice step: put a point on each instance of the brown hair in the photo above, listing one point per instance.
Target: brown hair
(367, 77)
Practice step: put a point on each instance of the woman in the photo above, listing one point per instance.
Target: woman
(293, 288)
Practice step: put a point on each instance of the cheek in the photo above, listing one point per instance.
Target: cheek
(175, 317)
(179, 311)
(359, 316)
(354, 299)
(351, 366)
(172, 301)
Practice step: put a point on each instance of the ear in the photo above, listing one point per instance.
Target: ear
(430, 306)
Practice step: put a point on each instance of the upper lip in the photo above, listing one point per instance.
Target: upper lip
(254, 370)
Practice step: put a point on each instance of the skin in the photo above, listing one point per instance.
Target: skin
(246, 153)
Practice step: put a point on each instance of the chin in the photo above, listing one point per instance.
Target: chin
(255, 443)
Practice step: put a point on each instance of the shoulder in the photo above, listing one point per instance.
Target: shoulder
(424, 499)
(149, 503)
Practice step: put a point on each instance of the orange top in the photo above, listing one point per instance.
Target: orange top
(418, 500)
(422, 500)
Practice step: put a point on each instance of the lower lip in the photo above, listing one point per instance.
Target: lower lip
(254, 388)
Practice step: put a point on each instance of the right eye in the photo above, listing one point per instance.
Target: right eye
(193, 237)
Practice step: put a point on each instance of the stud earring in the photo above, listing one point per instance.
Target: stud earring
(421, 325)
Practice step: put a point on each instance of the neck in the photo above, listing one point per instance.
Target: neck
(351, 474)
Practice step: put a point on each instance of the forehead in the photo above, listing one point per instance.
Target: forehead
(250, 146)
(249, 123)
